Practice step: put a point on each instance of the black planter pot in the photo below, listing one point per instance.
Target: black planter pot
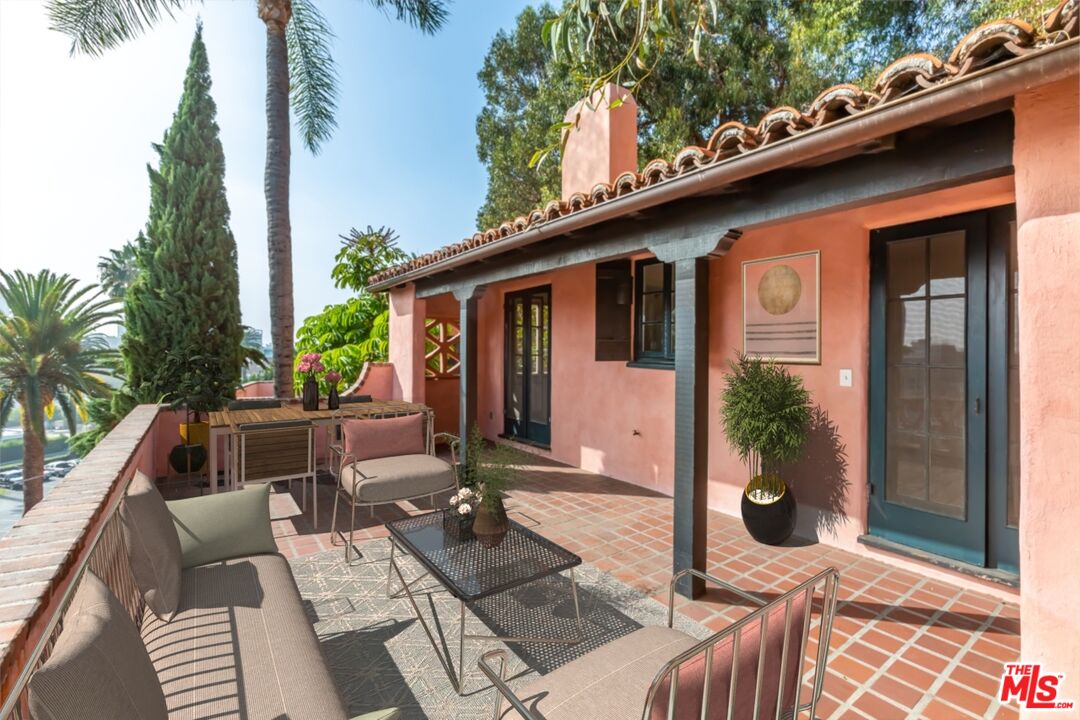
(187, 458)
(311, 394)
(772, 523)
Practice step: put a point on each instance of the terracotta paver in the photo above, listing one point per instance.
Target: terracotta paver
(903, 645)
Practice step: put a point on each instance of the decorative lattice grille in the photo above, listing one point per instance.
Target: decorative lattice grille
(441, 349)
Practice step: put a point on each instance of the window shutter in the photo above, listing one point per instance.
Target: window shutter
(613, 293)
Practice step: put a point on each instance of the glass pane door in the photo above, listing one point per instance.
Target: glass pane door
(928, 380)
(925, 381)
(528, 365)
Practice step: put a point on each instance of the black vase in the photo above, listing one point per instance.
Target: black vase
(311, 394)
(332, 398)
(771, 523)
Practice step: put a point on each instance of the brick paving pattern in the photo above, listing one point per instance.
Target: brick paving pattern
(903, 646)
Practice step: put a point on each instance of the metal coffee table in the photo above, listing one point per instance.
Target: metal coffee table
(471, 572)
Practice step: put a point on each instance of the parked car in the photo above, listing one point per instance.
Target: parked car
(59, 469)
(12, 480)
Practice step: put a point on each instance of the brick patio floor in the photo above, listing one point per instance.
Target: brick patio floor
(903, 646)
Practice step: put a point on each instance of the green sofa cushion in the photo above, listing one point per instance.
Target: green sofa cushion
(223, 526)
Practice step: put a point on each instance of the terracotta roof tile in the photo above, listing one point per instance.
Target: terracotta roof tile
(986, 45)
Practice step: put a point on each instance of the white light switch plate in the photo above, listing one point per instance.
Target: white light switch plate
(845, 377)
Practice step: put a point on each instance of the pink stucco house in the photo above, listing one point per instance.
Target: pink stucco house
(930, 231)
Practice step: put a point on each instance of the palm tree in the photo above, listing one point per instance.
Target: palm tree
(49, 353)
(299, 68)
(117, 270)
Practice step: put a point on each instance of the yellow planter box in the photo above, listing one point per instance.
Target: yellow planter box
(197, 433)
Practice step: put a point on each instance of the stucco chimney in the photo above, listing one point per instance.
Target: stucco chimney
(604, 144)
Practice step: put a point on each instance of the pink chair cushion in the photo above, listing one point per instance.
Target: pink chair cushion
(367, 439)
(692, 672)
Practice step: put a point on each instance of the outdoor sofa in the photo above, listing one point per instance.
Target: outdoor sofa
(224, 633)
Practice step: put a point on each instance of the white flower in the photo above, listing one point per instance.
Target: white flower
(453, 500)
(465, 493)
(464, 508)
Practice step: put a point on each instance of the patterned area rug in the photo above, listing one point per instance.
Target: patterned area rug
(381, 656)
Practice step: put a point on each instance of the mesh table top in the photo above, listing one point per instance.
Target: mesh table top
(471, 571)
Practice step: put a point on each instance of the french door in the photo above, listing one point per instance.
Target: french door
(943, 387)
(527, 409)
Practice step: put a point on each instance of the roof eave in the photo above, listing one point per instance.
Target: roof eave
(986, 86)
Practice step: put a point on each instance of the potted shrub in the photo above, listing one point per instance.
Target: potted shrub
(201, 389)
(487, 474)
(765, 415)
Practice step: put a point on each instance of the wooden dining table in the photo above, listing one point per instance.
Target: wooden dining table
(226, 423)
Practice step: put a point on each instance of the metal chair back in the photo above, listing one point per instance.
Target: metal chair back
(254, 403)
(272, 451)
(756, 669)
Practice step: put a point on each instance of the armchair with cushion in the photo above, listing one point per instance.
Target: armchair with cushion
(755, 668)
(387, 460)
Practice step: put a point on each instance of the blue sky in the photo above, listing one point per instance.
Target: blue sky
(75, 138)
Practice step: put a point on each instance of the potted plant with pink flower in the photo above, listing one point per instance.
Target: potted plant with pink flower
(332, 377)
(311, 365)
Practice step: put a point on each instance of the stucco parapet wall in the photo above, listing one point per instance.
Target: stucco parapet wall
(367, 378)
(987, 50)
(39, 552)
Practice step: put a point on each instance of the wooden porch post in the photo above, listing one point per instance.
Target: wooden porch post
(691, 419)
(467, 357)
(690, 258)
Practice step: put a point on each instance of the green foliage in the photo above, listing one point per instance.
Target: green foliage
(525, 91)
(846, 39)
(701, 63)
(765, 413)
(50, 351)
(182, 313)
(202, 384)
(102, 415)
(490, 469)
(117, 270)
(356, 331)
(363, 254)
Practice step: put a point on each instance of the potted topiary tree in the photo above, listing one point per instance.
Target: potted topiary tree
(765, 415)
(202, 388)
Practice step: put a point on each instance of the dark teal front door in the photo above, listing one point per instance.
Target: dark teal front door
(940, 324)
(527, 413)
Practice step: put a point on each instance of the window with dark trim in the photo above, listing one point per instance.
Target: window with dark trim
(654, 313)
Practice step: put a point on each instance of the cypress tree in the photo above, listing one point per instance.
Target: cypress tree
(182, 313)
